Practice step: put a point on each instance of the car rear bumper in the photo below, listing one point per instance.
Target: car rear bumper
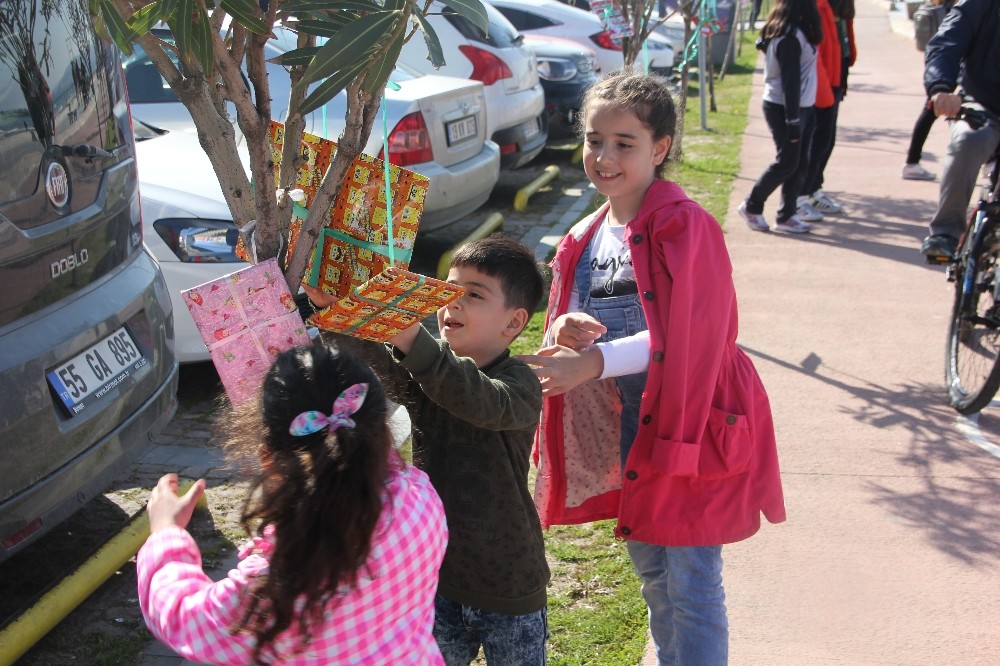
(522, 143)
(562, 105)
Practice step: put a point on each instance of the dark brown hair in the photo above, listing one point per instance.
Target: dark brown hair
(510, 261)
(321, 493)
(786, 15)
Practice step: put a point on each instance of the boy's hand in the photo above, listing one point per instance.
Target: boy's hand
(576, 330)
(403, 341)
(319, 298)
(560, 369)
(165, 508)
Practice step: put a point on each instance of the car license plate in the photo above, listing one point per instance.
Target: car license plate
(461, 129)
(90, 375)
(532, 128)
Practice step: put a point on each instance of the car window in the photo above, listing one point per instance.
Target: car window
(523, 20)
(502, 34)
(145, 84)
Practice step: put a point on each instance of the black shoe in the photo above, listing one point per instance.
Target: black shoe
(939, 249)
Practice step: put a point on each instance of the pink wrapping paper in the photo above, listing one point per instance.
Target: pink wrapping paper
(246, 318)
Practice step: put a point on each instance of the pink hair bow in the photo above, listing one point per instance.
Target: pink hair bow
(346, 404)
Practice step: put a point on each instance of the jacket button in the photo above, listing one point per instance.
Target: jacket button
(731, 419)
(631, 475)
(646, 419)
(626, 531)
(648, 295)
(637, 239)
(657, 356)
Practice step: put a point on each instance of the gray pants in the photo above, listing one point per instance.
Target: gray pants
(968, 150)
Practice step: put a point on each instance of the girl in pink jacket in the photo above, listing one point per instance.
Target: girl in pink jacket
(652, 414)
(348, 538)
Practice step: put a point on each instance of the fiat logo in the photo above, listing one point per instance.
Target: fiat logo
(57, 185)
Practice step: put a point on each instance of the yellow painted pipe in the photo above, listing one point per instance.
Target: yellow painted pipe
(549, 174)
(20, 635)
(577, 155)
(489, 225)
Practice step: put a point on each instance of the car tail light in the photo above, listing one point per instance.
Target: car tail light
(409, 142)
(606, 41)
(199, 241)
(486, 67)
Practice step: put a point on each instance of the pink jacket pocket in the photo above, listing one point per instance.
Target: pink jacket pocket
(724, 451)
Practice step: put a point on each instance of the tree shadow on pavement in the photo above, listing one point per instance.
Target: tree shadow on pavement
(955, 503)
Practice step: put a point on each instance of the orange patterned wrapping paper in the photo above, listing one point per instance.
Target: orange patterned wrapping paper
(353, 246)
(390, 302)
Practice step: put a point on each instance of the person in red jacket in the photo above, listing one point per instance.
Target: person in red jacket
(652, 414)
(813, 201)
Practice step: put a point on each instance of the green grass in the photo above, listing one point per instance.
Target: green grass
(596, 614)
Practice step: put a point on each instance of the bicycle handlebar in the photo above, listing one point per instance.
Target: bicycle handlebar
(976, 118)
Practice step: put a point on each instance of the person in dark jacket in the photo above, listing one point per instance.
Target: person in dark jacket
(962, 66)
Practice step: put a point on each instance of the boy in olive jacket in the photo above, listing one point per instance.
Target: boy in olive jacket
(474, 411)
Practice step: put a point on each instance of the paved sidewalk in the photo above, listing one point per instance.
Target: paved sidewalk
(891, 551)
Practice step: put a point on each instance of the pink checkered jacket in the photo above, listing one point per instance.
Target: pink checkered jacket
(386, 619)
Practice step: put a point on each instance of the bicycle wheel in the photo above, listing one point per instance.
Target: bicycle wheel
(972, 370)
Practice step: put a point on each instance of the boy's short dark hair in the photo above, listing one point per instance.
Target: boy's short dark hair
(510, 261)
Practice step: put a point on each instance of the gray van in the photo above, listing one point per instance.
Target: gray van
(87, 368)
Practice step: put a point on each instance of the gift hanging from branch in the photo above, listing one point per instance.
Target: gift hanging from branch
(612, 18)
(366, 242)
(246, 318)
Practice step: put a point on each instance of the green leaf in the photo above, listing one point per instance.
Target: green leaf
(168, 7)
(182, 26)
(434, 52)
(204, 51)
(144, 19)
(324, 27)
(118, 30)
(394, 4)
(343, 5)
(325, 91)
(474, 11)
(245, 12)
(379, 74)
(301, 56)
(344, 48)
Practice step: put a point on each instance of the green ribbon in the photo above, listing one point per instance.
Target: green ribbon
(392, 304)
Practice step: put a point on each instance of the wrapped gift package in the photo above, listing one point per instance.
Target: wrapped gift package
(390, 302)
(246, 318)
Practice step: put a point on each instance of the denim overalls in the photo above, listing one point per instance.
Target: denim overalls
(682, 586)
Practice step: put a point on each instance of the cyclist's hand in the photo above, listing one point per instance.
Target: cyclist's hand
(946, 104)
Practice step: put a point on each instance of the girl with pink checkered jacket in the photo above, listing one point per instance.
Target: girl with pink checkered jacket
(347, 537)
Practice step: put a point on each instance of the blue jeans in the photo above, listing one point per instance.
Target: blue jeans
(682, 586)
(507, 640)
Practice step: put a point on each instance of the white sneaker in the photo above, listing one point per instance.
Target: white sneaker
(806, 212)
(794, 225)
(825, 204)
(917, 172)
(755, 221)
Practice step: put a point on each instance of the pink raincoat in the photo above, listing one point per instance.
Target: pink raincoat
(704, 464)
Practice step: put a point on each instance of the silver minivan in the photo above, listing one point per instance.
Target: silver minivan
(87, 368)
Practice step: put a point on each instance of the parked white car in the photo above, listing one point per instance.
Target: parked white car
(507, 69)
(438, 129)
(438, 126)
(553, 18)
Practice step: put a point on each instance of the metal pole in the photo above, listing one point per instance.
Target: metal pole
(702, 80)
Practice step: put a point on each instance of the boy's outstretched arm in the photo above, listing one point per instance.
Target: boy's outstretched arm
(560, 369)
